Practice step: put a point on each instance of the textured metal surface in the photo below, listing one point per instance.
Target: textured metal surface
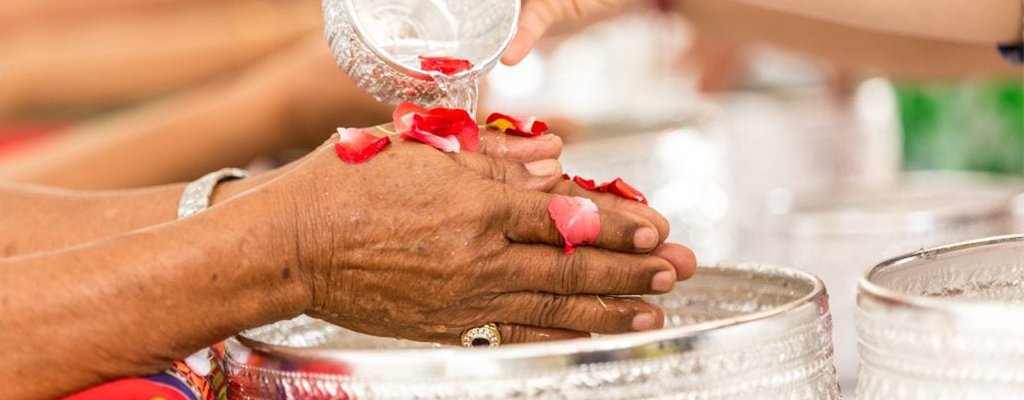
(837, 234)
(738, 331)
(377, 42)
(944, 323)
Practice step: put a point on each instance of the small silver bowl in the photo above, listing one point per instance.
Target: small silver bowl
(736, 331)
(944, 323)
(377, 43)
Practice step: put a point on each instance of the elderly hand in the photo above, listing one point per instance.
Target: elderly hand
(422, 245)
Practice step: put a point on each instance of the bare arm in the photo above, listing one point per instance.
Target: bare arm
(979, 21)
(38, 219)
(115, 58)
(130, 305)
(937, 22)
(736, 22)
(295, 98)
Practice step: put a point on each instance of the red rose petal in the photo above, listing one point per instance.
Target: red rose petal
(585, 183)
(445, 65)
(447, 144)
(623, 189)
(416, 123)
(402, 116)
(518, 126)
(451, 122)
(576, 218)
(356, 146)
(617, 187)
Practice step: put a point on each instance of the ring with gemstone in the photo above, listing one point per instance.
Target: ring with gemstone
(482, 336)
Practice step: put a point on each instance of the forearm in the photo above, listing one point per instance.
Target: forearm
(173, 140)
(979, 21)
(38, 219)
(130, 305)
(114, 58)
(21, 14)
(735, 22)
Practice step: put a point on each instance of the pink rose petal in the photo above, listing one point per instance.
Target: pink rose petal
(576, 218)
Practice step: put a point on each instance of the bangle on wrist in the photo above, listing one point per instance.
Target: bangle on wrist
(196, 196)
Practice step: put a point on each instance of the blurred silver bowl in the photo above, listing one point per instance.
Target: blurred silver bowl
(838, 233)
(944, 323)
(738, 331)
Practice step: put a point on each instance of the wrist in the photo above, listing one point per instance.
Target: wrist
(265, 238)
(230, 189)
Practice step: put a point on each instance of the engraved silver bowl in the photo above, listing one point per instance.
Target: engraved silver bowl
(377, 42)
(944, 323)
(837, 234)
(736, 331)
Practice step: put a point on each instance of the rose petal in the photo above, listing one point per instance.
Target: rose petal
(623, 189)
(445, 65)
(617, 187)
(518, 126)
(449, 144)
(451, 122)
(402, 116)
(576, 218)
(585, 183)
(357, 146)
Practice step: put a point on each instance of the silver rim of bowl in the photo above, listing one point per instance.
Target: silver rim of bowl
(571, 353)
(974, 311)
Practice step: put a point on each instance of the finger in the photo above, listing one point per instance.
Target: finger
(608, 200)
(583, 313)
(534, 20)
(681, 258)
(520, 149)
(512, 333)
(528, 221)
(536, 268)
(537, 175)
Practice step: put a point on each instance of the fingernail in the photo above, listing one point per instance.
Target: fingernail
(645, 238)
(663, 281)
(543, 167)
(643, 322)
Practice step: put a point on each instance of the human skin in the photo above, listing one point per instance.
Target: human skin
(110, 59)
(730, 24)
(319, 238)
(977, 22)
(293, 99)
(49, 218)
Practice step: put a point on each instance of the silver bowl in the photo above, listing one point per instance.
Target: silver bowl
(944, 323)
(837, 234)
(377, 43)
(738, 331)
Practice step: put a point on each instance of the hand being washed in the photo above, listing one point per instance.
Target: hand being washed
(423, 245)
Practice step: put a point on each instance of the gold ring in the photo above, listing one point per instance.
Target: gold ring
(482, 336)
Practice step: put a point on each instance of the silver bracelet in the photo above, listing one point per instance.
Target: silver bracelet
(196, 197)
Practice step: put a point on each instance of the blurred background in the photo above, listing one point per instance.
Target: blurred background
(762, 136)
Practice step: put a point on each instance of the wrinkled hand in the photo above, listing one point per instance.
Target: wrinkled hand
(539, 15)
(422, 245)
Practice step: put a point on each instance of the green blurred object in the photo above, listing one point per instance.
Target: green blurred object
(977, 126)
